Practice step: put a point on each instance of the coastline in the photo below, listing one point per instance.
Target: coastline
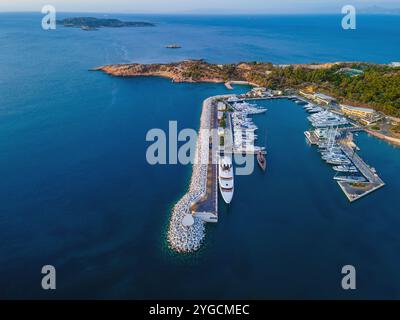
(391, 140)
(199, 71)
(175, 72)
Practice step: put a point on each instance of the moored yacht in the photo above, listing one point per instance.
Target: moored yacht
(350, 178)
(225, 178)
(344, 168)
(338, 161)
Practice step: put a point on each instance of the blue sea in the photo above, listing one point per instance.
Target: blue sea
(76, 191)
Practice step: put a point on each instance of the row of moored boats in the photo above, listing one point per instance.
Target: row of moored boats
(327, 132)
(243, 142)
(244, 128)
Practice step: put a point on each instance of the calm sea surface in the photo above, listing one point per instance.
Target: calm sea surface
(76, 191)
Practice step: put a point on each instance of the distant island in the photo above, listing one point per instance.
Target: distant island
(357, 83)
(90, 23)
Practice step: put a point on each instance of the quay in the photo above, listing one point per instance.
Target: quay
(357, 190)
(355, 128)
(264, 98)
(312, 138)
(229, 84)
(206, 208)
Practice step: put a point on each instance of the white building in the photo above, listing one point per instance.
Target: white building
(323, 98)
(366, 116)
(259, 91)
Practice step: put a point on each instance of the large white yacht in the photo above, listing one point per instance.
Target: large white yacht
(225, 178)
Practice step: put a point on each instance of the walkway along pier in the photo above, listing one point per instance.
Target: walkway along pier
(206, 207)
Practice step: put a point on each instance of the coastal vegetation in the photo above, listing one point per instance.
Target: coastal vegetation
(376, 127)
(222, 122)
(221, 141)
(396, 129)
(377, 86)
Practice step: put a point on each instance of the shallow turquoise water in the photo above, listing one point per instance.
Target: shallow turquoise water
(77, 192)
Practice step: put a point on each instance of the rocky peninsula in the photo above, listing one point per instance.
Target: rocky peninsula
(361, 84)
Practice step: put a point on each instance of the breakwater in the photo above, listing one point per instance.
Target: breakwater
(183, 237)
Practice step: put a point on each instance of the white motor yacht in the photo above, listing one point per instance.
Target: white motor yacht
(225, 178)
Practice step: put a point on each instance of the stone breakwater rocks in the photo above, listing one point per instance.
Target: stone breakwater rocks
(189, 238)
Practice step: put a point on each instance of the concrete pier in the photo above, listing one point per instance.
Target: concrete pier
(357, 190)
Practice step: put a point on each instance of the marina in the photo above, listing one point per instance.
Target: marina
(228, 121)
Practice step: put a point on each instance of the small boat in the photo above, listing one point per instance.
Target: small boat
(173, 46)
(261, 160)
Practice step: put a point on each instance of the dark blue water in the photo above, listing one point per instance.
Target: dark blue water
(76, 190)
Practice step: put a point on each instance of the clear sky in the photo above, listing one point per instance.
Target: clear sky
(195, 6)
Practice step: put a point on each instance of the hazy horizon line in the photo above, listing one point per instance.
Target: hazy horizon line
(205, 13)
